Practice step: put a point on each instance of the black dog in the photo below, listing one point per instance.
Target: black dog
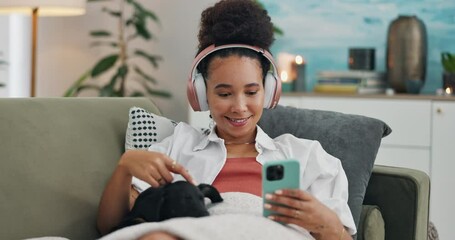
(178, 199)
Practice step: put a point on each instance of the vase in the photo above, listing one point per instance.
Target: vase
(406, 55)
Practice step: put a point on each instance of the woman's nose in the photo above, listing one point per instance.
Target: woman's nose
(239, 105)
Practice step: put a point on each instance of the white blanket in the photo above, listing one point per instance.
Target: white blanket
(239, 216)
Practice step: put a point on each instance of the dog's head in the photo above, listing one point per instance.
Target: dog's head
(178, 199)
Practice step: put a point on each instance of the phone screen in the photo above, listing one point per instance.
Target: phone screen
(277, 175)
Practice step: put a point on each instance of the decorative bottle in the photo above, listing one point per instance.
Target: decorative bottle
(406, 56)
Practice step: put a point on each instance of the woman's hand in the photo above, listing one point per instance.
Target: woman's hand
(152, 167)
(302, 209)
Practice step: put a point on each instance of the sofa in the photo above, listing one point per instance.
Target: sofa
(57, 154)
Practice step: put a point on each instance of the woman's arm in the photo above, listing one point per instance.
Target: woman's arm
(308, 212)
(115, 201)
(152, 167)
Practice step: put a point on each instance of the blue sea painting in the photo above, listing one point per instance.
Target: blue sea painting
(323, 31)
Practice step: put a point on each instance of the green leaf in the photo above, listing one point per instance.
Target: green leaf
(278, 30)
(448, 62)
(137, 94)
(122, 71)
(159, 93)
(108, 91)
(104, 65)
(141, 29)
(144, 75)
(100, 33)
(112, 12)
(152, 15)
(85, 87)
(143, 11)
(153, 59)
(137, 6)
(139, 18)
(97, 44)
(72, 91)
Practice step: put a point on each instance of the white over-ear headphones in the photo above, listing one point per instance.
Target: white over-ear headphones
(196, 89)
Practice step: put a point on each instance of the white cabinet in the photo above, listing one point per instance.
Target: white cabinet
(423, 138)
(410, 120)
(443, 168)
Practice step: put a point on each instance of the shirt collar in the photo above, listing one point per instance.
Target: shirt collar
(262, 140)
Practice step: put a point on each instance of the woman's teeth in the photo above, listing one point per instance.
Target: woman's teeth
(238, 120)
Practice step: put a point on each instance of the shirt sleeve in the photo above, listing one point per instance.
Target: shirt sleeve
(328, 183)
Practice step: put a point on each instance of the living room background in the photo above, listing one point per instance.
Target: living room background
(323, 31)
(320, 31)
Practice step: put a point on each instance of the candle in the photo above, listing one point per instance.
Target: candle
(300, 83)
(287, 71)
(286, 85)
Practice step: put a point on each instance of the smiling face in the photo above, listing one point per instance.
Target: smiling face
(235, 95)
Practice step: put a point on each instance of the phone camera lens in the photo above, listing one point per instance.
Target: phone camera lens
(275, 172)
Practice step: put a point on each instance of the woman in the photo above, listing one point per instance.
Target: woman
(235, 88)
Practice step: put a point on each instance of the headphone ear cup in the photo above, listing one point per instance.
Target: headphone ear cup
(201, 92)
(270, 88)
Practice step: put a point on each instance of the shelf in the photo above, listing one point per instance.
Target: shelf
(377, 96)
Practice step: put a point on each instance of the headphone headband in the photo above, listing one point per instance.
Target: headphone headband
(212, 48)
(195, 101)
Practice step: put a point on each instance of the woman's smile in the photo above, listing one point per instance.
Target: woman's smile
(238, 122)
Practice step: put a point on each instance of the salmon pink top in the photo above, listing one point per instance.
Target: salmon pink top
(240, 175)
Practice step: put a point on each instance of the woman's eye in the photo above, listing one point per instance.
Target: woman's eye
(223, 94)
(252, 92)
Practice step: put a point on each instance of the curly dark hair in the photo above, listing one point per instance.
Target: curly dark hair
(235, 22)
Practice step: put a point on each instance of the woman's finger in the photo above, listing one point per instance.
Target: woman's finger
(152, 181)
(284, 210)
(295, 193)
(175, 167)
(166, 176)
(153, 176)
(287, 201)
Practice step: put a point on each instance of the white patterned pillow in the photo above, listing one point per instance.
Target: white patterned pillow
(145, 128)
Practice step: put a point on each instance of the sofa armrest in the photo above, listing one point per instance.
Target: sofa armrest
(371, 224)
(57, 155)
(403, 196)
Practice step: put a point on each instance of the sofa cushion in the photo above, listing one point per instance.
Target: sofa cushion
(354, 139)
(145, 128)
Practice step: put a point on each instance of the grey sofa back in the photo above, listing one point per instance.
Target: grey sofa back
(56, 157)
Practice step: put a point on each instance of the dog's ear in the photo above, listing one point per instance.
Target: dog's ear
(210, 192)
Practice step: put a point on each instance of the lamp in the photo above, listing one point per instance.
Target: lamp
(42, 8)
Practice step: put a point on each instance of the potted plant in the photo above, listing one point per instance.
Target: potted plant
(133, 19)
(448, 63)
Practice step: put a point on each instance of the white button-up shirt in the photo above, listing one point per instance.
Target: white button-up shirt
(204, 156)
